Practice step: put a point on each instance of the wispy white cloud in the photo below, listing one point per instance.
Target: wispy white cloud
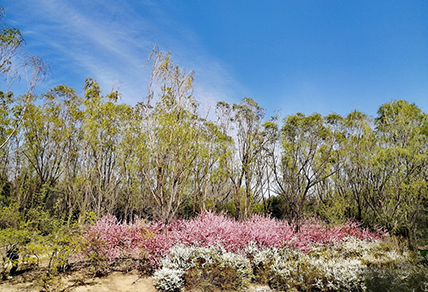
(110, 42)
(105, 48)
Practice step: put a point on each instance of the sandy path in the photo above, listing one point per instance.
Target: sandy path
(129, 282)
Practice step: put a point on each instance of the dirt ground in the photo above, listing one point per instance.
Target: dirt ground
(80, 282)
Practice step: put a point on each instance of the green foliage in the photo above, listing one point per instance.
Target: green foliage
(309, 149)
(409, 278)
(275, 207)
(34, 237)
(231, 208)
(11, 41)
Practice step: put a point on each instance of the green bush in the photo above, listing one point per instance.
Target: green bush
(407, 278)
(32, 237)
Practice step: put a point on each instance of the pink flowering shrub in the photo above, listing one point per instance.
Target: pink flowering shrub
(210, 229)
(110, 240)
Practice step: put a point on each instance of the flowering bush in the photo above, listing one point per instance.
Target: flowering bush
(351, 265)
(210, 229)
(107, 241)
(407, 278)
(288, 269)
(215, 251)
(204, 268)
(167, 279)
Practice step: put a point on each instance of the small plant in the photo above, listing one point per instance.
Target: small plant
(170, 280)
(50, 282)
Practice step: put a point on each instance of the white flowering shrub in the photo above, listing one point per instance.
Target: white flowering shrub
(394, 268)
(350, 265)
(336, 274)
(180, 257)
(262, 263)
(203, 268)
(321, 273)
(167, 279)
(243, 272)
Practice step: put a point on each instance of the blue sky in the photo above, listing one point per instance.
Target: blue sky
(293, 56)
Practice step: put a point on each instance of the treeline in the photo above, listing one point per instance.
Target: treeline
(74, 155)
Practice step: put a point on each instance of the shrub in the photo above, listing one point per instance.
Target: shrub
(203, 268)
(107, 243)
(407, 278)
(286, 269)
(350, 265)
(210, 229)
(167, 279)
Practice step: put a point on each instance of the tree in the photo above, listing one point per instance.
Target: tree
(11, 41)
(102, 133)
(133, 200)
(399, 186)
(66, 110)
(12, 61)
(307, 153)
(243, 122)
(357, 151)
(171, 129)
(208, 174)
